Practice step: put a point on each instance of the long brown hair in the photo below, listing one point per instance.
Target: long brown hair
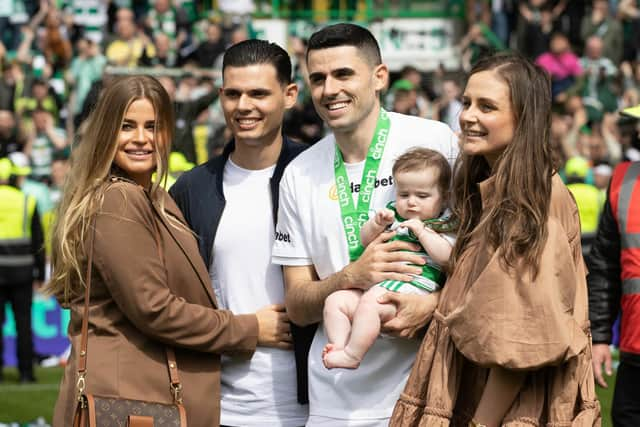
(514, 223)
(91, 165)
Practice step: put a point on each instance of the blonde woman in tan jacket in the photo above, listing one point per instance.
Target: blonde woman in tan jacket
(150, 287)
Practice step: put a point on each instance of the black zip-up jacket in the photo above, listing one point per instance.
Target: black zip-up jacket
(199, 195)
(604, 282)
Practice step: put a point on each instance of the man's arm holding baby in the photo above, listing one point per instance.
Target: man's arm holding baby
(381, 260)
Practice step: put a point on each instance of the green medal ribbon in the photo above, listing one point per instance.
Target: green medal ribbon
(353, 217)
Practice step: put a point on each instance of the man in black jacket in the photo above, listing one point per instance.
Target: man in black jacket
(231, 203)
(614, 287)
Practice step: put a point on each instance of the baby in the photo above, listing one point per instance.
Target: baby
(352, 319)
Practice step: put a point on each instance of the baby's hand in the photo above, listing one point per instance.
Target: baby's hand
(415, 225)
(384, 217)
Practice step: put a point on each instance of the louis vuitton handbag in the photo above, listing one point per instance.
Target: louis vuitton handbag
(101, 411)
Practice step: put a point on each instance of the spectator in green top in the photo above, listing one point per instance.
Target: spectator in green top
(86, 68)
(167, 19)
(45, 140)
(600, 23)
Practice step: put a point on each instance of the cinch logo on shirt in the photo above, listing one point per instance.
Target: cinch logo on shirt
(355, 188)
(282, 237)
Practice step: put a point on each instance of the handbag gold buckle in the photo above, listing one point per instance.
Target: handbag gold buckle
(80, 387)
(177, 393)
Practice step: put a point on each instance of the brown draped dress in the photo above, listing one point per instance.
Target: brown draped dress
(489, 317)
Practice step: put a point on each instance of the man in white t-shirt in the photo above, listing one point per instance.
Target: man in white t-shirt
(230, 202)
(317, 236)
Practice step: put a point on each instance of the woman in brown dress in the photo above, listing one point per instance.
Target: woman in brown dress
(509, 343)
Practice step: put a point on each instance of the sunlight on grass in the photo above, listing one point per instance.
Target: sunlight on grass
(24, 403)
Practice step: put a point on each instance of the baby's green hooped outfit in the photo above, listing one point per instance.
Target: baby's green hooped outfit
(432, 277)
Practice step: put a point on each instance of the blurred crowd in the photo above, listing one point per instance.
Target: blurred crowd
(591, 51)
(55, 55)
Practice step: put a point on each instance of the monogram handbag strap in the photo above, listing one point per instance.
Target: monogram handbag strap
(176, 387)
(172, 365)
(82, 361)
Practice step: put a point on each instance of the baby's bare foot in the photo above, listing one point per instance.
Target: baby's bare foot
(334, 358)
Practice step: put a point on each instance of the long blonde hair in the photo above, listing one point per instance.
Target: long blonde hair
(91, 165)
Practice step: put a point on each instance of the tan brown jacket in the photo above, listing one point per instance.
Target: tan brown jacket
(140, 302)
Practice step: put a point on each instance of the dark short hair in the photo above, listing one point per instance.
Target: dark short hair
(344, 34)
(39, 82)
(418, 159)
(252, 52)
(408, 69)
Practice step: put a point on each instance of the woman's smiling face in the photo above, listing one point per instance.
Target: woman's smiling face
(487, 120)
(136, 142)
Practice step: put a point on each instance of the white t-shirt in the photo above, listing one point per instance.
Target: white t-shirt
(261, 391)
(310, 232)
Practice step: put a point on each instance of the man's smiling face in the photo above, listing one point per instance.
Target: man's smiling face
(344, 86)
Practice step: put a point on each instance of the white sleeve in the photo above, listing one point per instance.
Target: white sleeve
(290, 243)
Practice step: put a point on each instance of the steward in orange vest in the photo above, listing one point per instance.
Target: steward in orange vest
(614, 287)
